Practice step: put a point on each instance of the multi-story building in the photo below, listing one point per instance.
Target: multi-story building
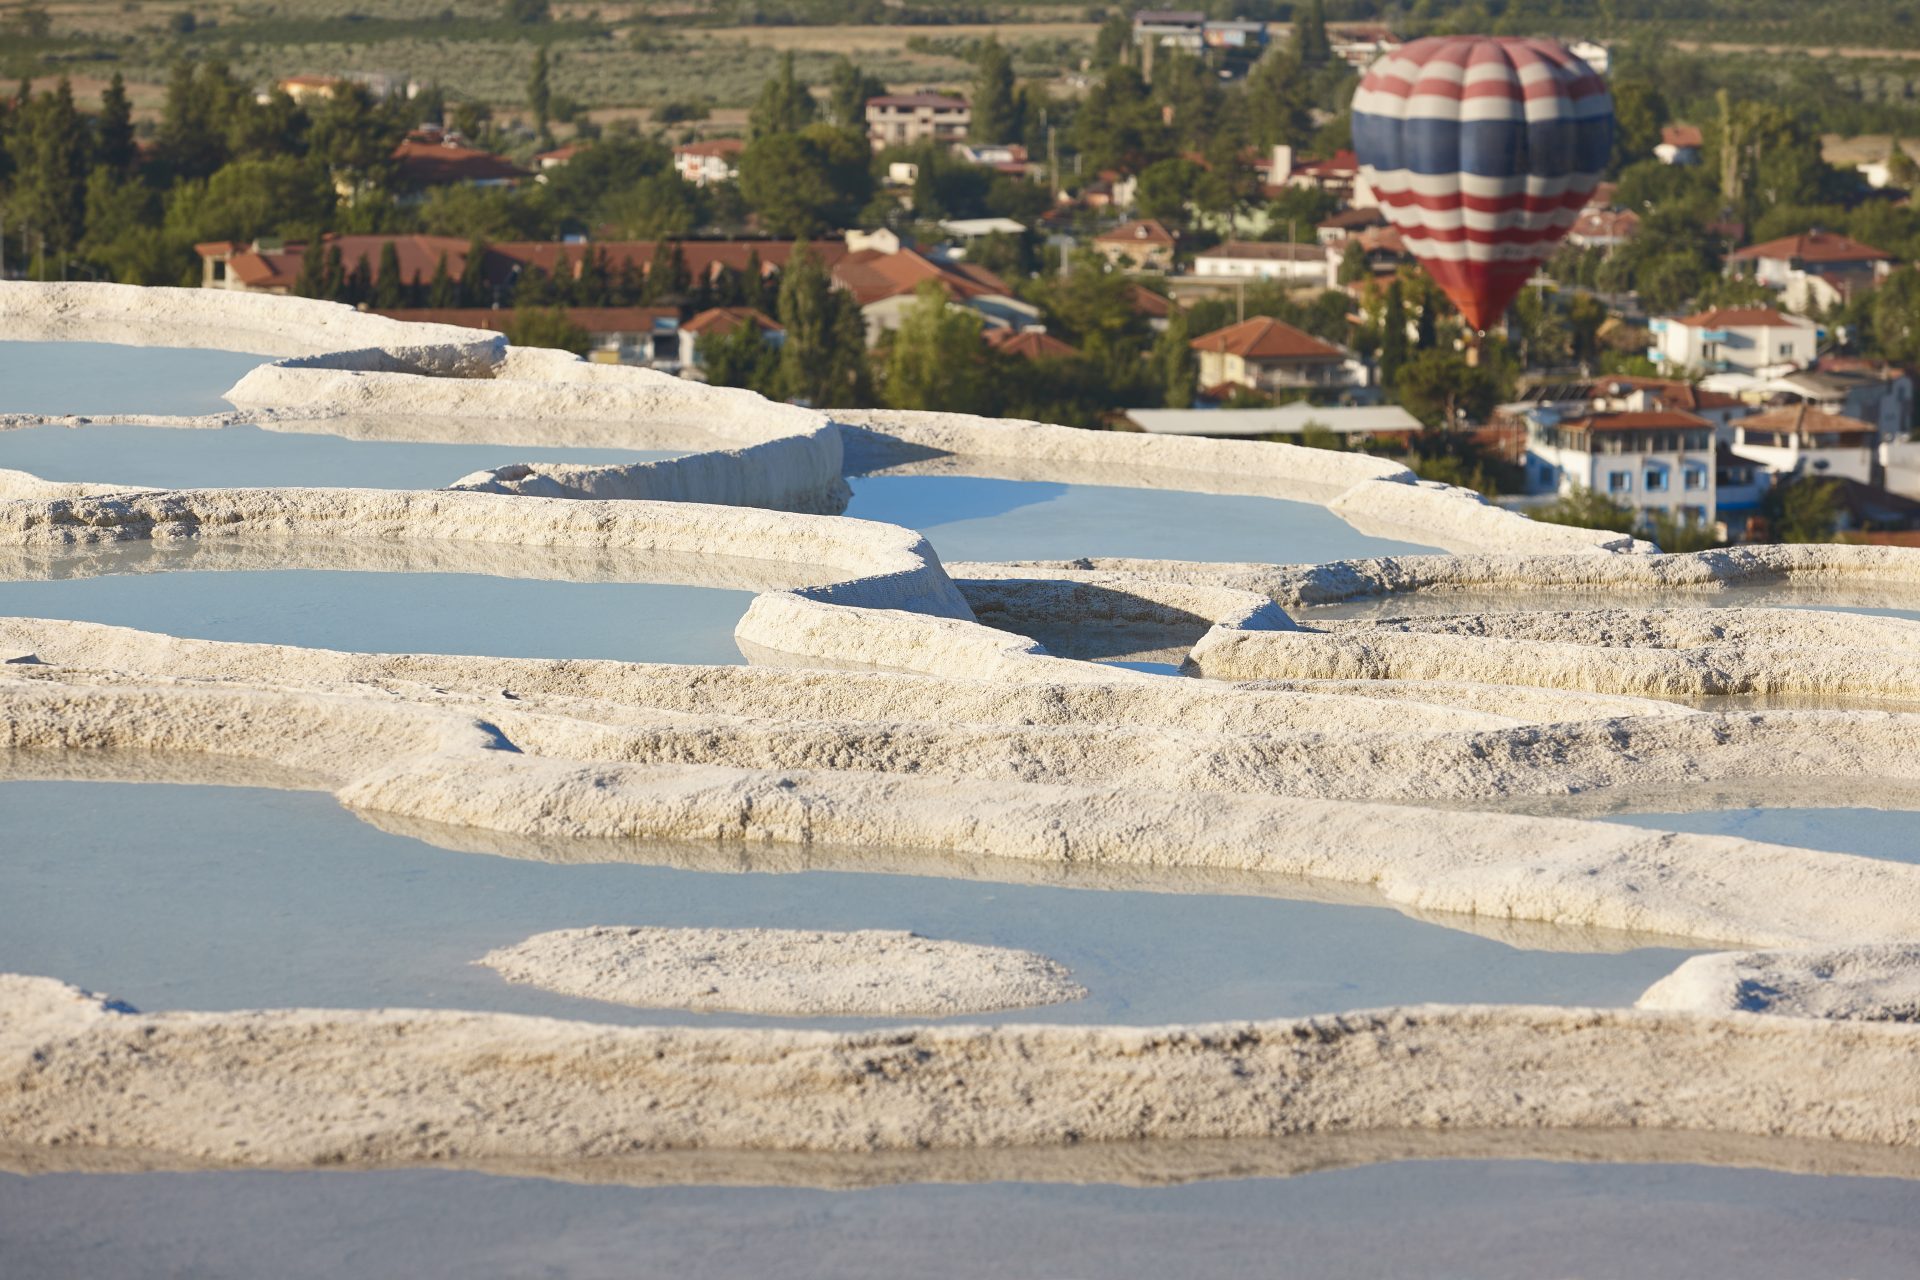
(902, 119)
(1654, 462)
(1264, 260)
(1754, 340)
(1800, 439)
(1815, 269)
(1264, 354)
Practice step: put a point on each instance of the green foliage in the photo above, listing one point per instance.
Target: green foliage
(527, 12)
(848, 88)
(51, 148)
(113, 141)
(1441, 389)
(1165, 189)
(546, 327)
(1678, 535)
(784, 106)
(1802, 509)
(1393, 335)
(807, 182)
(249, 199)
(936, 359)
(1894, 312)
(993, 117)
(655, 207)
(740, 357)
(1586, 509)
(540, 90)
(823, 361)
(1174, 363)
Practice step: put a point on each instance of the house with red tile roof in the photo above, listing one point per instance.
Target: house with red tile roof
(1603, 228)
(885, 285)
(1141, 245)
(1801, 438)
(1265, 354)
(1653, 461)
(1679, 144)
(709, 161)
(1029, 344)
(717, 322)
(1813, 270)
(1753, 340)
(420, 163)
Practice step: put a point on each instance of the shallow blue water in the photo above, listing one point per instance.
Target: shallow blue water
(1892, 834)
(240, 898)
(242, 457)
(1438, 1220)
(454, 613)
(106, 378)
(972, 518)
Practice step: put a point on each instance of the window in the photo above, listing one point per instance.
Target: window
(1696, 477)
(1620, 482)
(1656, 480)
(219, 269)
(1786, 348)
(1697, 514)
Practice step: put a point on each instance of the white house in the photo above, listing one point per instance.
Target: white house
(1802, 439)
(1752, 340)
(1264, 260)
(1815, 269)
(902, 119)
(717, 322)
(711, 161)
(1264, 354)
(1679, 144)
(1659, 462)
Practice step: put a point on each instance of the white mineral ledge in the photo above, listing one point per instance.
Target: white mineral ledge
(875, 973)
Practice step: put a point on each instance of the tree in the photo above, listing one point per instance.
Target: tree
(120, 240)
(540, 92)
(442, 291)
(1639, 112)
(1315, 49)
(1802, 509)
(1164, 190)
(807, 182)
(113, 147)
(528, 12)
(936, 359)
(1280, 103)
(1441, 389)
(51, 148)
(1901, 169)
(1894, 312)
(333, 275)
(1174, 362)
(823, 359)
(993, 111)
(1678, 535)
(1114, 41)
(547, 327)
(784, 104)
(354, 137)
(474, 288)
(389, 290)
(740, 357)
(311, 282)
(656, 207)
(848, 88)
(1117, 124)
(1393, 335)
(249, 199)
(1353, 264)
(1585, 509)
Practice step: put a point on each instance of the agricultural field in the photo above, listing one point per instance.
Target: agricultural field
(616, 60)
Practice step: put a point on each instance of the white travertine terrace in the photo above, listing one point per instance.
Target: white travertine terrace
(916, 717)
(864, 972)
(1869, 984)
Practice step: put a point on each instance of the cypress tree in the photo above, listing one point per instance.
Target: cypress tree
(115, 149)
(1393, 336)
(474, 291)
(442, 292)
(333, 276)
(359, 284)
(312, 280)
(388, 289)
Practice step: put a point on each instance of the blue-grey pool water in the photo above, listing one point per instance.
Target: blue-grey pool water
(234, 897)
(974, 518)
(452, 613)
(1892, 834)
(245, 456)
(1438, 1220)
(107, 378)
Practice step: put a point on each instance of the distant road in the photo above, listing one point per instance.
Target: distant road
(1817, 51)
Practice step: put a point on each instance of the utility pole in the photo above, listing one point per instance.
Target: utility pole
(1053, 160)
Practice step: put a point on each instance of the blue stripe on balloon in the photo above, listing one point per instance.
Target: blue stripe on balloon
(1484, 148)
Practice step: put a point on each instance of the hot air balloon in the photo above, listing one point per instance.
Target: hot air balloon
(1482, 150)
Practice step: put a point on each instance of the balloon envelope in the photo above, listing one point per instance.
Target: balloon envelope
(1482, 150)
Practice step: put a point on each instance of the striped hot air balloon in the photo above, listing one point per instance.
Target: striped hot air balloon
(1482, 150)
